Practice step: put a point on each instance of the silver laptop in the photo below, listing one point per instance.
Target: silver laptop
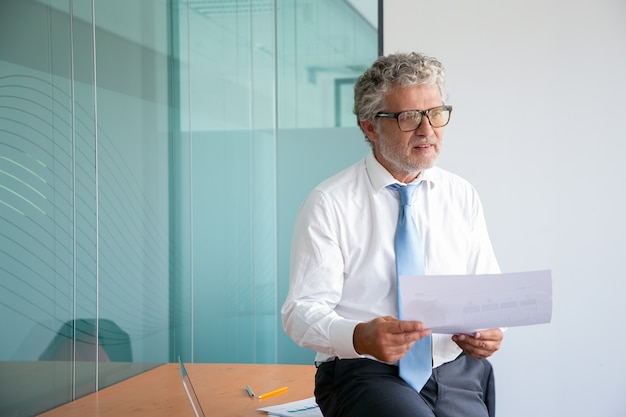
(191, 393)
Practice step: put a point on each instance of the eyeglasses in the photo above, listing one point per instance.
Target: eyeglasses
(410, 120)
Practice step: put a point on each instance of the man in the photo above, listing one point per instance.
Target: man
(342, 298)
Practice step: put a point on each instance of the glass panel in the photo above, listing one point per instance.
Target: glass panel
(230, 114)
(147, 194)
(248, 67)
(133, 179)
(80, 326)
(37, 220)
(84, 230)
(180, 219)
(323, 46)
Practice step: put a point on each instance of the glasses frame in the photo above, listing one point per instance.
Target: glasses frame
(422, 113)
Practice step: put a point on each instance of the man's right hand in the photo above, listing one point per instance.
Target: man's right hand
(387, 338)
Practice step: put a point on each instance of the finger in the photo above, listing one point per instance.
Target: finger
(491, 334)
(417, 335)
(402, 326)
(477, 348)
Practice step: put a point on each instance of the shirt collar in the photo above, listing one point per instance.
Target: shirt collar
(381, 178)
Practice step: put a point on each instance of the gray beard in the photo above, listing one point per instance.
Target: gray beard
(404, 165)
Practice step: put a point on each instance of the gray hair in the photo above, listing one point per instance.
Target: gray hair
(403, 69)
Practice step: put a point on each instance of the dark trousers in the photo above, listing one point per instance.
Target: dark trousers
(364, 388)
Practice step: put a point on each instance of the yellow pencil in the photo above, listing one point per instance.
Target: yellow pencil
(272, 393)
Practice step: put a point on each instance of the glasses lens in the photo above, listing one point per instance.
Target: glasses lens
(409, 120)
(439, 116)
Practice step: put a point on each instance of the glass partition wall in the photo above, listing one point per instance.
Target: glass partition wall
(153, 155)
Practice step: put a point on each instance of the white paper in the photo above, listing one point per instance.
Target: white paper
(301, 408)
(452, 304)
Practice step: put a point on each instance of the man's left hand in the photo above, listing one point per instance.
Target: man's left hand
(480, 345)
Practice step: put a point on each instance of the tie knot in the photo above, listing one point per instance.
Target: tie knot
(405, 192)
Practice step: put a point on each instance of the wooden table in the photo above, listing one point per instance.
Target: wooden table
(220, 388)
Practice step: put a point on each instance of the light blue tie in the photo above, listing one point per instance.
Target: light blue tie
(416, 365)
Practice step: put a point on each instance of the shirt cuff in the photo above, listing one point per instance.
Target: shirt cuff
(341, 334)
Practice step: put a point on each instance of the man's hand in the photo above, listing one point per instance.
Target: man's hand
(481, 344)
(387, 338)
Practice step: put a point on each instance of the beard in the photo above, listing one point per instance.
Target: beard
(399, 158)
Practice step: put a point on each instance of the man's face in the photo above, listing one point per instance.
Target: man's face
(406, 154)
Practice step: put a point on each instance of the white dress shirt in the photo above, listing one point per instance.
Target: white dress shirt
(343, 259)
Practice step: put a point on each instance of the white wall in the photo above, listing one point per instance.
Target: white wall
(539, 102)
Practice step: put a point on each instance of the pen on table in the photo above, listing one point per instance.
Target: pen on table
(272, 393)
(249, 390)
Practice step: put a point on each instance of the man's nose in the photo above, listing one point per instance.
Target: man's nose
(425, 129)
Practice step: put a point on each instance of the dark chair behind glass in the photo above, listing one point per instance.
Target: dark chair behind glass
(113, 343)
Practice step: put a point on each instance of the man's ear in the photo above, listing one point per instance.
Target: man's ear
(369, 128)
